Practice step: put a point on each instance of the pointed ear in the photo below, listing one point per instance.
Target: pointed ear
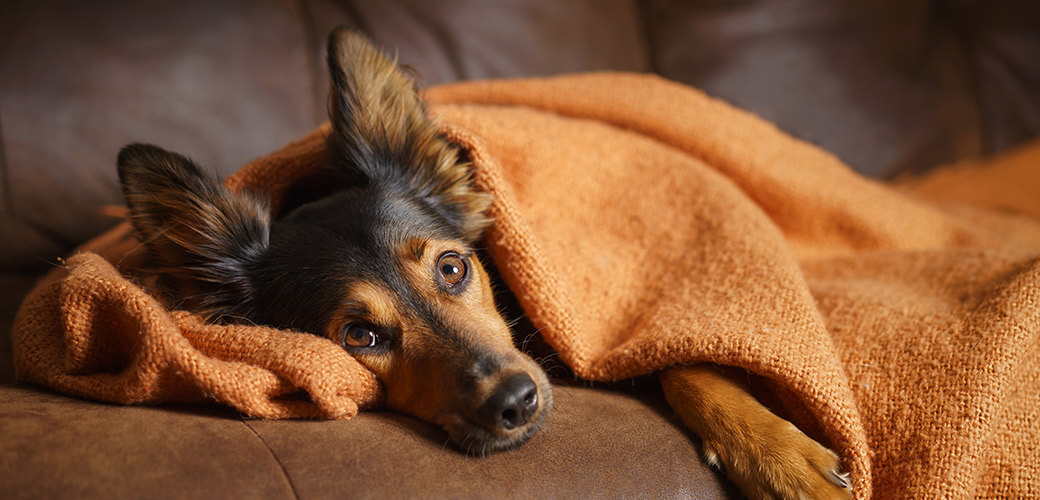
(383, 136)
(374, 107)
(200, 237)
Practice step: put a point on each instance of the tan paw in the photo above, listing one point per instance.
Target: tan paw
(775, 460)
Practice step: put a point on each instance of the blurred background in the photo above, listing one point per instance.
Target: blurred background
(889, 85)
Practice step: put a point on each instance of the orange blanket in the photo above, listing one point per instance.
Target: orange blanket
(643, 225)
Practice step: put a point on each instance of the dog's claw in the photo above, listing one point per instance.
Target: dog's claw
(839, 479)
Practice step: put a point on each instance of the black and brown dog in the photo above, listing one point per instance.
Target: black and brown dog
(386, 266)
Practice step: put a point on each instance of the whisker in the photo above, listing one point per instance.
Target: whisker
(523, 345)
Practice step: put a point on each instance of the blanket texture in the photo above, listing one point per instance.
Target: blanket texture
(643, 225)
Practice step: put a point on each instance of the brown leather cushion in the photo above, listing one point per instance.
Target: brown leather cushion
(597, 443)
(449, 40)
(221, 81)
(13, 287)
(887, 85)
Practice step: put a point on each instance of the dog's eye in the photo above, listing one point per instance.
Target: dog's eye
(452, 268)
(358, 335)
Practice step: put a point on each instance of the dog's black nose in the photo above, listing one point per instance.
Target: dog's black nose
(512, 403)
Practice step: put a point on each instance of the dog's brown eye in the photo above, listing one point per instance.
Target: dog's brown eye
(452, 268)
(358, 335)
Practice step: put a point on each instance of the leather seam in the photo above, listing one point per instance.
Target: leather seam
(285, 472)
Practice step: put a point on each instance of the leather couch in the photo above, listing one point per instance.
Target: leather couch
(889, 86)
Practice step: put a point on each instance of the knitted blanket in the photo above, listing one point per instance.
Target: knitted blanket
(643, 225)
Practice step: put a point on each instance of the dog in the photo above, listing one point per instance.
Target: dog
(386, 266)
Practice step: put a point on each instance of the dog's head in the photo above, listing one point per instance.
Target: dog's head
(386, 266)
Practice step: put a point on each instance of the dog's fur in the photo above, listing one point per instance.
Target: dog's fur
(386, 267)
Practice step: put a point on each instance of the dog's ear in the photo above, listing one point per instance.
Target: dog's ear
(201, 238)
(382, 134)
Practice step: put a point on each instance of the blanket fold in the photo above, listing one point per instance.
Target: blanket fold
(644, 225)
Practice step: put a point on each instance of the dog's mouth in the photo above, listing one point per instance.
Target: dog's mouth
(480, 439)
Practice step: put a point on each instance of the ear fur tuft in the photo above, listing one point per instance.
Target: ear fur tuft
(383, 136)
(201, 238)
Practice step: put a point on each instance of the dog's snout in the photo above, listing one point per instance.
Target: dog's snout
(511, 404)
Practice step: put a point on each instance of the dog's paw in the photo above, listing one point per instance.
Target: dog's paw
(778, 462)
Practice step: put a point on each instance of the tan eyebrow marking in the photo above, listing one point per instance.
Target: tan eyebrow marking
(379, 303)
(366, 301)
(416, 248)
(355, 308)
